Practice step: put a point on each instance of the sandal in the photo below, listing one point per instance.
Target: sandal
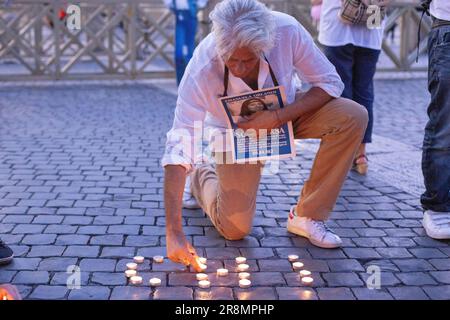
(360, 164)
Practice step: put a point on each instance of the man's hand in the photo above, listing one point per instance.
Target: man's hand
(179, 250)
(266, 119)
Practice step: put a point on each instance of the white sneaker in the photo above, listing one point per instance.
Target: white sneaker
(437, 224)
(189, 201)
(315, 230)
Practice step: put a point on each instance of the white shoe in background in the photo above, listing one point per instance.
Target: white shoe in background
(437, 224)
(315, 230)
(189, 201)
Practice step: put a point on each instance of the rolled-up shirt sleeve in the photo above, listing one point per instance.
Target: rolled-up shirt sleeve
(313, 66)
(183, 136)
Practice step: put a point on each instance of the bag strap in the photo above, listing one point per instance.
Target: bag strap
(425, 10)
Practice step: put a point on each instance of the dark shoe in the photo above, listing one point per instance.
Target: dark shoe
(6, 254)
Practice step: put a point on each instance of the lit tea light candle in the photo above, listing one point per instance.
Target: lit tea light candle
(204, 284)
(202, 260)
(139, 259)
(305, 273)
(154, 282)
(307, 281)
(245, 283)
(203, 266)
(136, 280)
(240, 260)
(201, 276)
(130, 273)
(5, 298)
(158, 259)
(131, 266)
(292, 257)
(297, 265)
(244, 275)
(243, 267)
(222, 272)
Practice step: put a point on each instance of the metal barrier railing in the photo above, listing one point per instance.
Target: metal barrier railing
(129, 39)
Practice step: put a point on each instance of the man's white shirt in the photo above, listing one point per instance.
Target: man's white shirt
(294, 57)
(440, 9)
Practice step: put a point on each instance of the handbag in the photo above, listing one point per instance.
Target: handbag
(357, 11)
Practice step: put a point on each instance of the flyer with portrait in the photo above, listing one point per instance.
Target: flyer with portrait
(246, 146)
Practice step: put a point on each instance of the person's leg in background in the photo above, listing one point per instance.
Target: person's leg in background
(436, 145)
(364, 68)
(227, 193)
(6, 254)
(342, 59)
(181, 24)
(185, 30)
(190, 35)
(340, 124)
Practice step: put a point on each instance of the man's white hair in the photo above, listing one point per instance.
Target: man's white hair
(242, 23)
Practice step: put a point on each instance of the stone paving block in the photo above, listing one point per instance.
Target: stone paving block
(90, 293)
(32, 277)
(342, 279)
(82, 251)
(39, 239)
(394, 253)
(214, 293)
(335, 294)
(141, 241)
(60, 229)
(109, 278)
(337, 265)
(117, 252)
(93, 265)
(441, 276)
(70, 240)
(278, 265)
(296, 293)
(371, 294)
(131, 293)
(57, 264)
(108, 240)
(438, 292)
(416, 279)
(412, 265)
(255, 293)
(64, 278)
(427, 253)
(362, 253)
(440, 264)
(28, 228)
(408, 293)
(45, 251)
(276, 242)
(45, 292)
(172, 293)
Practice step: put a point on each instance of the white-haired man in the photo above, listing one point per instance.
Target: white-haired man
(251, 48)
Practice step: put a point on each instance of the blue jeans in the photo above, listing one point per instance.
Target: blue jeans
(185, 30)
(356, 66)
(436, 144)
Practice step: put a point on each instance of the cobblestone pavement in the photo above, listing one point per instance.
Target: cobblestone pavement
(80, 184)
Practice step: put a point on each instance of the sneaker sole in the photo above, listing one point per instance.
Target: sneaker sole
(435, 236)
(303, 234)
(6, 260)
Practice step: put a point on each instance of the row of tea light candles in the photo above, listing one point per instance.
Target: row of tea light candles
(131, 271)
(242, 267)
(202, 278)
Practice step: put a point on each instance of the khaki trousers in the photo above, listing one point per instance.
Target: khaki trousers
(227, 192)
